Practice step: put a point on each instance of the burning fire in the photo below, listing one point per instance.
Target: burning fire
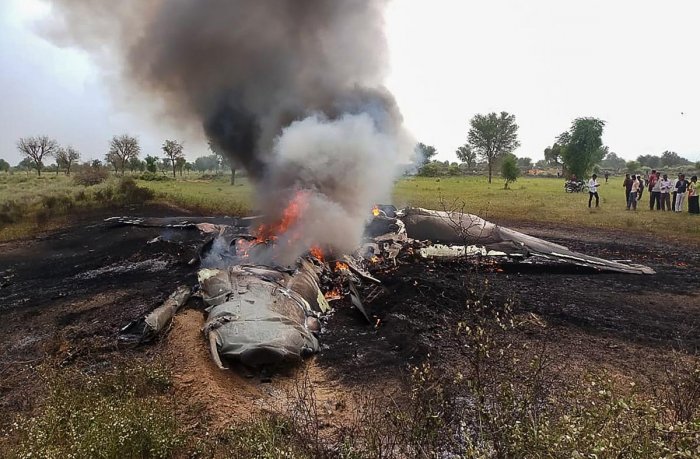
(333, 294)
(291, 214)
(340, 266)
(317, 253)
(375, 210)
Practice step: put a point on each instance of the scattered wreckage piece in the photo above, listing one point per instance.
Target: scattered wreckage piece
(471, 234)
(262, 316)
(146, 329)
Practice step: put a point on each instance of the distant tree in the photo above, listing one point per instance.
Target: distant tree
(4, 166)
(582, 146)
(633, 166)
(180, 164)
(492, 136)
(651, 161)
(206, 163)
(524, 163)
(542, 164)
(121, 149)
(173, 152)
(113, 160)
(224, 160)
(25, 165)
(188, 167)
(163, 165)
(614, 162)
(425, 153)
(431, 169)
(671, 158)
(466, 155)
(37, 149)
(552, 155)
(136, 164)
(509, 169)
(96, 163)
(66, 157)
(152, 164)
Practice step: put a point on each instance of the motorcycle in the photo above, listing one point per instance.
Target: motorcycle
(572, 186)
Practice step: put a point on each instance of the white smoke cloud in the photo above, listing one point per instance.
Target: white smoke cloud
(342, 167)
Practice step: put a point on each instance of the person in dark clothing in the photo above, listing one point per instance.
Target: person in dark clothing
(653, 195)
(642, 184)
(627, 185)
(693, 204)
(681, 188)
(607, 176)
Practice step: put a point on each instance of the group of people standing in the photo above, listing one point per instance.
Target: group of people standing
(664, 194)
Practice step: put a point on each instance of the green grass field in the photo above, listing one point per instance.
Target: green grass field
(530, 199)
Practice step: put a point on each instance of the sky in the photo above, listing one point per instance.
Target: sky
(633, 63)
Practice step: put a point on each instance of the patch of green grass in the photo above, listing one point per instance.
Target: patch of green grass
(214, 196)
(125, 413)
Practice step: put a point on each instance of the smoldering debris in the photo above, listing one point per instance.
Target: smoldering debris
(268, 314)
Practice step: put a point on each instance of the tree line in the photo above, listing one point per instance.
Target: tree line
(123, 154)
(578, 151)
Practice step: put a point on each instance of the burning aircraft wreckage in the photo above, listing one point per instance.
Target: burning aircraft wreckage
(262, 313)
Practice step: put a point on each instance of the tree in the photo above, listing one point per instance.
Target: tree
(113, 160)
(66, 157)
(180, 164)
(136, 164)
(224, 160)
(524, 163)
(466, 155)
(542, 164)
(36, 149)
(4, 166)
(582, 146)
(614, 162)
(651, 161)
(552, 155)
(671, 158)
(152, 164)
(425, 153)
(173, 151)
(509, 169)
(633, 166)
(492, 136)
(121, 149)
(206, 163)
(188, 167)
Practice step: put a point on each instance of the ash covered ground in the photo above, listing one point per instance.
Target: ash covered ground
(64, 297)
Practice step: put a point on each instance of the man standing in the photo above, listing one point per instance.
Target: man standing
(607, 176)
(593, 190)
(642, 183)
(653, 193)
(674, 192)
(693, 204)
(681, 188)
(627, 185)
(633, 194)
(665, 193)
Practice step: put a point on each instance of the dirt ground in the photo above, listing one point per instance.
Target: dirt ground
(64, 297)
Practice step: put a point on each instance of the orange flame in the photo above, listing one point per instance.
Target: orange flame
(317, 253)
(333, 294)
(291, 214)
(375, 211)
(340, 266)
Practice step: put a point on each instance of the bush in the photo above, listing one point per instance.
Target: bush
(89, 176)
(130, 193)
(152, 177)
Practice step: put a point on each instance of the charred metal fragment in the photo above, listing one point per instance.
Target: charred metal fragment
(146, 329)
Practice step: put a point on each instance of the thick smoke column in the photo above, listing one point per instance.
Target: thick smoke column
(290, 89)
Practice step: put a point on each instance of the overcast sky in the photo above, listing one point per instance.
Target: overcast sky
(633, 63)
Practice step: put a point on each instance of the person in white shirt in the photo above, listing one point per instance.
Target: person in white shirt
(634, 194)
(665, 193)
(593, 190)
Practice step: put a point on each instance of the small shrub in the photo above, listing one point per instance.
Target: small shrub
(130, 193)
(152, 177)
(89, 176)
